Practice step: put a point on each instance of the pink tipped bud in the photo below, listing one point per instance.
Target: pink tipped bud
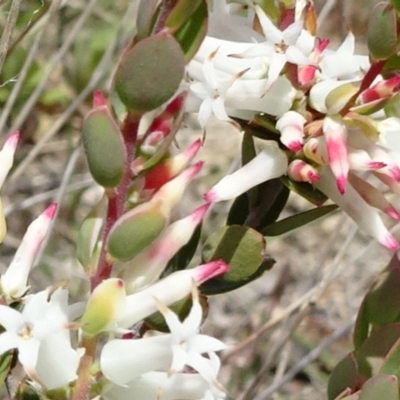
(306, 73)
(142, 304)
(373, 196)
(98, 99)
(300, 171)
(360, 160)
(291, 126)
(14, 281)
(381, 90)
(7, 155)
(335, 133)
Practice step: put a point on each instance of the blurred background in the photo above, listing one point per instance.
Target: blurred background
(287, 330)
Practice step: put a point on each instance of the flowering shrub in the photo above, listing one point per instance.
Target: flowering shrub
(328, 121)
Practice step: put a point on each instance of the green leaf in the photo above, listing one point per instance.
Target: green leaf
(391, 364)
(150, 73)
(220, 285)
(157, 322)
(240, 247)
(305, 190)
(372, 353)
(136, 230)
(396, 5)
(182, 11)
(383, 300)
(296, 221)
(380, 387)
(104, 147)
(362, 326)
(191, 34)
(392, 108)
(345, 375)
(5, 365)
(382, 31)
(144, 20)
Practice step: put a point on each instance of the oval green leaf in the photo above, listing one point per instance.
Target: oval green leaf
(136, 230)
(150, 73)
(241, 247)
(382, 31)
(104, 147)
(380, 387)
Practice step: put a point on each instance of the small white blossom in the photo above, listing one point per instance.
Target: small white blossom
(41, 334)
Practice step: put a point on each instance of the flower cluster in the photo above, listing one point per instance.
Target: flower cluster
(44, 328)
(325, 109)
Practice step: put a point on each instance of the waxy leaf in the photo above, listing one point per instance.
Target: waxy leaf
(191, 34)
(150, 73)
(391, 364)
(104, 147)
(383, 300)
(305, 190)
(296, 221)
(345, 375)
(380, 387)
(372, 353)
(241, 247)
(382, 31)
(135, 230)
(145, 15)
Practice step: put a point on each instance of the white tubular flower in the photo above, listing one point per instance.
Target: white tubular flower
(142, 304)
(7, 156)
(270, 163)
(167, 387)
(357, 208)
(14, 281)
(124, 360)
(40, 333)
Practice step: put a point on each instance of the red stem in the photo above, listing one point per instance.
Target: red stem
(116, 199)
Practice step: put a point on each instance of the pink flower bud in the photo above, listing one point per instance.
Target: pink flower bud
(300, 171)
(291, 126)
(373, 196)
(382, 90)
(98, 99)
(169, 290)
(14, 281)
